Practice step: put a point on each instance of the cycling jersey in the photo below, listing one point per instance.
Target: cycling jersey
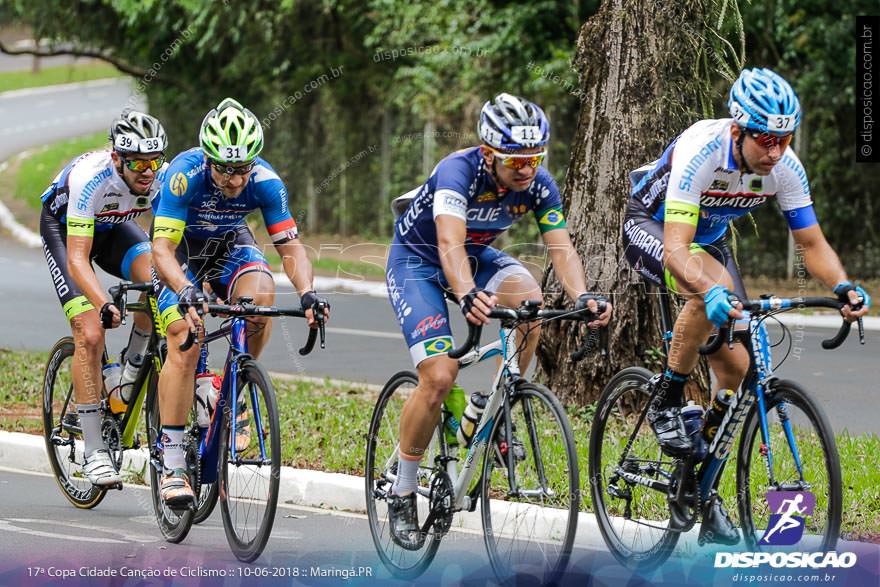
(89, 196)
(190, 201)
(461, 186)
(697, 181)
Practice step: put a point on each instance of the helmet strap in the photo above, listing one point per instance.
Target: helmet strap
(739, 149)
(494, 171)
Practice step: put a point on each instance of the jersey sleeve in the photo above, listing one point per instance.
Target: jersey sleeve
(272, 198)
(83, 184)
(175, 194)
(454, 176)
(548, 203)
(793, 193)
(693, 166)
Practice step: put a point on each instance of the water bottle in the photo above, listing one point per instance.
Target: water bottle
(112, 373)
(692, 416)
(207, 391)
(471, 417)
(716, 413)
(129, 374)
(455, 404)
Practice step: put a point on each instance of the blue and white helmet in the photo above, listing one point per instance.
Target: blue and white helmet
(761, 100)
(511, 123)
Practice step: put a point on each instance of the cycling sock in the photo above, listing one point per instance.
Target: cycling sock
(137, 342)
(172, 446)
(90, 422)
(407, 475)
(671, 389)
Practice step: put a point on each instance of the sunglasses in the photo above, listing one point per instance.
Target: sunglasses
(519, 161)
(236, 170)
(141, 165)
(768, 140)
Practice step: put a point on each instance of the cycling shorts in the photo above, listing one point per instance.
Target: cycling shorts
(417, 290)
(114, 251)
(220, 261)
(643, 242)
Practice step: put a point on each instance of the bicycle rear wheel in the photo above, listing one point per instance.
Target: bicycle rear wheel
(529, 525)
(633, 518)
(381, 469)
(62, 431)
(813, 440)
(174, 524)
(249, 484)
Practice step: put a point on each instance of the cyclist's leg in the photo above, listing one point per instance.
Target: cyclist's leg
(88, 336)
(128, 257)
(175, 391)
(512, 284)
(245, 272)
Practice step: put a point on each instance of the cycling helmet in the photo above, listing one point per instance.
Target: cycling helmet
(761, 100)
(136, 132)
(231, 133)
(511, 123)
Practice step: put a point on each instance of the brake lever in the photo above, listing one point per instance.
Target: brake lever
(861, 331)
(319, 316)
(730, 332)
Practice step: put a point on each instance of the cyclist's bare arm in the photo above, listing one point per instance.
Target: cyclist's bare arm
(570, 270)
(822, 262)
(298, 269)
(78, 250)
(451, 234)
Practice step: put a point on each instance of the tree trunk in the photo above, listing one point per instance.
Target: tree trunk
(384, 173)
(637, 61)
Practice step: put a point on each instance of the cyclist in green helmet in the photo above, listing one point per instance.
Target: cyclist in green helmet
(200, 236)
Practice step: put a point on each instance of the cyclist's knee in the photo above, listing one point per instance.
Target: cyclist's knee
(88, 334)
(177, 333)
(436, 377)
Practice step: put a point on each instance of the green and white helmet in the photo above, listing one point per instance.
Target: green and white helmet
(231, 133)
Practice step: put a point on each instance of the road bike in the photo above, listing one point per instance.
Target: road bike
(522, 447)
(644, 501)
(244, 476)
(61, 426)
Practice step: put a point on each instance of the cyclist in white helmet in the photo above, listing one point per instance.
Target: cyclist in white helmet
(441, 243)
(676, 229)
(88, 215)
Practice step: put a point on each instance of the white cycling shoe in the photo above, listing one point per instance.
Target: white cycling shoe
(98, 468)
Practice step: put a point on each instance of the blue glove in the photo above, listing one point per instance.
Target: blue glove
(841, 290)
(717, 305)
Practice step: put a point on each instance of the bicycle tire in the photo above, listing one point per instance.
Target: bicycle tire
(608, 434)
(550, 518)
(826, 485)
(247, 545)
(63, 439)
(173, 524)
(382, 446)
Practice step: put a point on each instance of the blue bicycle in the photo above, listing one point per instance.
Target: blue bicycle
(237, 457)
(644, 500)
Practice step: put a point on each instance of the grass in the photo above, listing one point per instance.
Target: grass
(30, 176)
(324, 427)
(62, 74)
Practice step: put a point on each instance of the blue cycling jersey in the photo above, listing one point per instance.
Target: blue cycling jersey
(461, 186)
(190, 201)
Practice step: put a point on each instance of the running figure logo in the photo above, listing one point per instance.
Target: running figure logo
(786, 526)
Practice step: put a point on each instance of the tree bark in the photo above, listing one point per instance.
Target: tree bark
(637, 61)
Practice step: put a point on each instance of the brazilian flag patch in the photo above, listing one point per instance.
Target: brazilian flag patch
(552, 218)
(438, 346)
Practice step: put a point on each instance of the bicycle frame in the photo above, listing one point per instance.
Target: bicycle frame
(208, 443)
(759, 379)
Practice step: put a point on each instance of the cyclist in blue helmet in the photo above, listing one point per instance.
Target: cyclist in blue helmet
(441, 243)
(675, 232)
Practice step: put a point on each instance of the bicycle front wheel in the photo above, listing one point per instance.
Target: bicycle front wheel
(798, 434)
(633, 517)
(530, 510)
(383, 447)
(249, 479)
(62, 431)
